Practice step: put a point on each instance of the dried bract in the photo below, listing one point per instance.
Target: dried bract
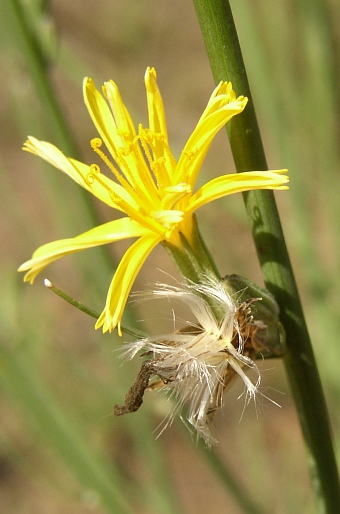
(195, 364)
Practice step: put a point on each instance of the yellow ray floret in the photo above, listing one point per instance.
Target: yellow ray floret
(156, 193)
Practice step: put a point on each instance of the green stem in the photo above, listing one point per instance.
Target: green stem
(193, 259)
(201, 252)
(226, 60)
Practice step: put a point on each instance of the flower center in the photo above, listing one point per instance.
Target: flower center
(149, 187)
(168, 219)
(173, 194)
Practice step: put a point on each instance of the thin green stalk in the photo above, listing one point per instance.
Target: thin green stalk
(137, 334)
(226, 60)
(15, 14)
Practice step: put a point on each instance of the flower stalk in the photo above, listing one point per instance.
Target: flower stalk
(87, 310)
(219, 32)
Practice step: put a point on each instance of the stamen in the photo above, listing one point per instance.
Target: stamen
(186, 165)
(121, 153)
(137, 196)
(94, 171)
(149, 141)
(94, 175)
(135, 173)
(146, 143)
(160, 172)
(96, 143)
(190, 155)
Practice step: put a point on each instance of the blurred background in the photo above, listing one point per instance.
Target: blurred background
(61, 449)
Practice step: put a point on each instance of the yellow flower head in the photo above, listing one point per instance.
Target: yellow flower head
(155, 192)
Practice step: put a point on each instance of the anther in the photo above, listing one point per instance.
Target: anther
(191, 154)
(96, 142)
(90, 178)
(95, 168)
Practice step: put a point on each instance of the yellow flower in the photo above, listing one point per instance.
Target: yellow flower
(154, 191)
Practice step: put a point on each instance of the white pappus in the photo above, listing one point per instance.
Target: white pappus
(195, 364)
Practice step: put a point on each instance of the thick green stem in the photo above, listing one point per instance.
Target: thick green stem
(225, 56)
(193, 259)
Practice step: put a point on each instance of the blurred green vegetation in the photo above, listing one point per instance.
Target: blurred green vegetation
(61, 450)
